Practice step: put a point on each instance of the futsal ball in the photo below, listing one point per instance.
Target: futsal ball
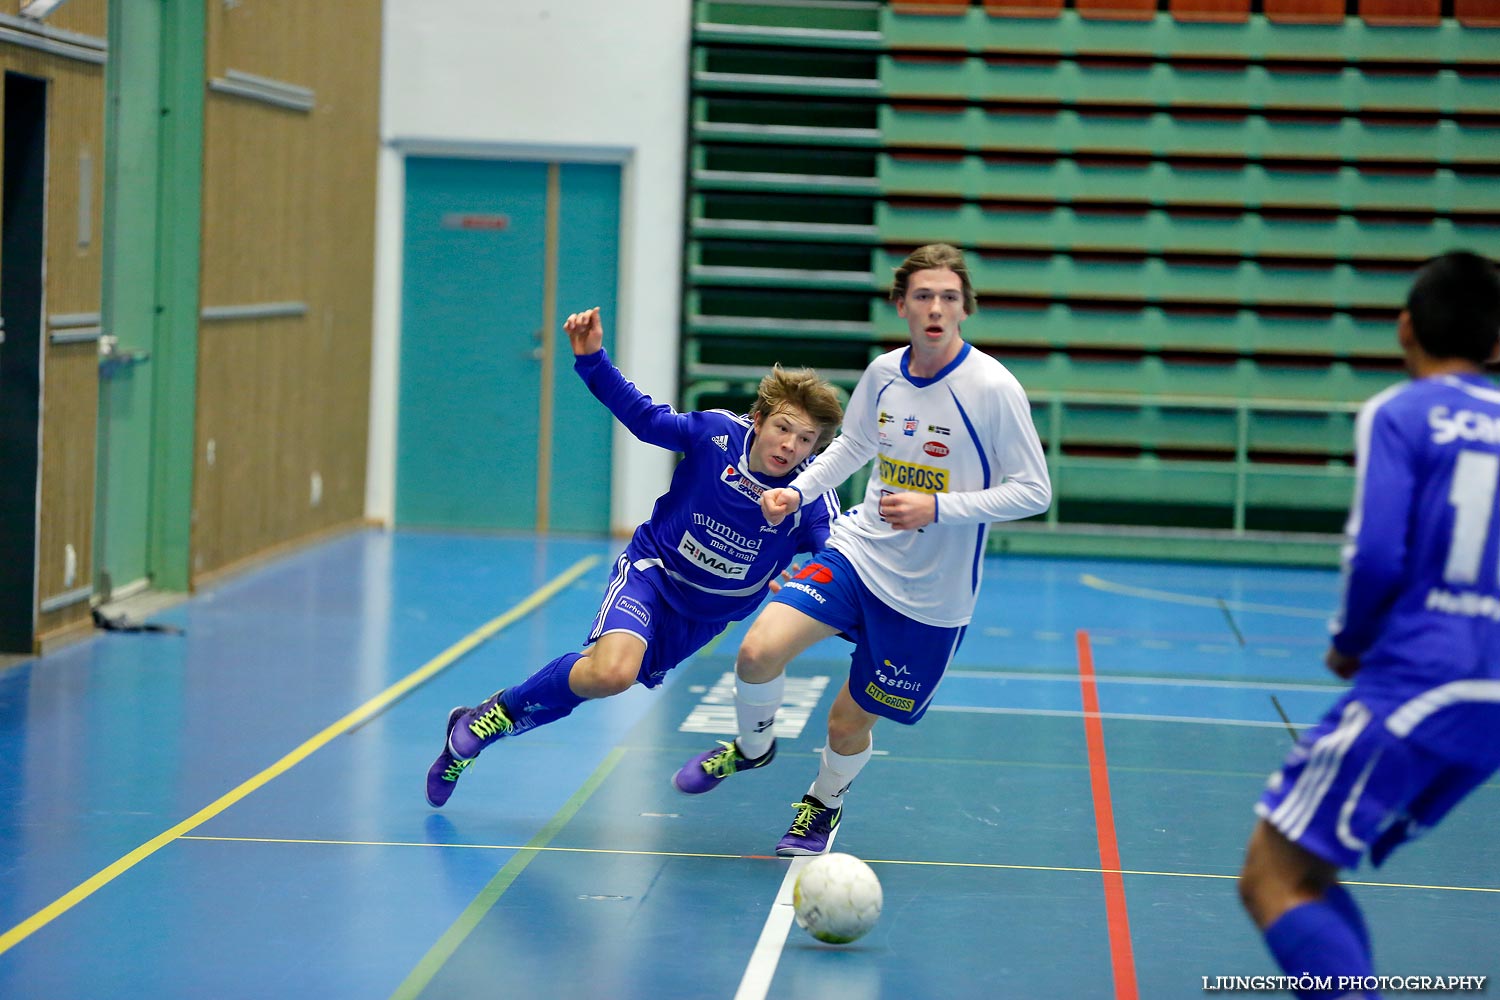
(837, 898)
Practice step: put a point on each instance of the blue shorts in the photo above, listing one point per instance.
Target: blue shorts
(897, 663)
(633, 604)
(1352, 785)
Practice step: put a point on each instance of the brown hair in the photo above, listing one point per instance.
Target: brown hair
(808, 392)
(932, 257)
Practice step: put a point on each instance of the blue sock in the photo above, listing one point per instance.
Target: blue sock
(1338, 897)
(543, 697)
(1317, 939)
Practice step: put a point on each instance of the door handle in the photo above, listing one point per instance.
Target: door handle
(112, 359)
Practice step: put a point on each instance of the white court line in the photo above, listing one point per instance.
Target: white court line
(1108, 586)
(996, 675)
(767, 955)
(1125, 716)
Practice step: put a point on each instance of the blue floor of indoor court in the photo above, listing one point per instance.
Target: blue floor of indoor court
(185, 816)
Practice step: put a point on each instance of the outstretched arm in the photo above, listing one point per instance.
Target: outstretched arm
(585, 332)
(653, 423)
(778, 503)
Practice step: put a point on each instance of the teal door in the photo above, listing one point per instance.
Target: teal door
(492, 432)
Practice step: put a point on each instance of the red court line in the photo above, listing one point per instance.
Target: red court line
(1122, 959)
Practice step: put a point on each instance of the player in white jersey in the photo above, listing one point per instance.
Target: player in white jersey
(1418, 632)
(955, 448)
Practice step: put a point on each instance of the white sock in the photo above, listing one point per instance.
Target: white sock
(755, 708)
(837, 773)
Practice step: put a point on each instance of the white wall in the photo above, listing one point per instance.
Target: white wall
(528, 79)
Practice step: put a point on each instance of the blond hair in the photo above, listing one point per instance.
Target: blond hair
(804, 389)
(935, 256)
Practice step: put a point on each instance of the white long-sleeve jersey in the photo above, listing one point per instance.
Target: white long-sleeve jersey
(966, 437)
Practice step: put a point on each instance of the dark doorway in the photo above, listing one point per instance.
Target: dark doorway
(22, 217)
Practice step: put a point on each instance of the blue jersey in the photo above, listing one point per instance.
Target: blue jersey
(1421, 601)
(707, 542)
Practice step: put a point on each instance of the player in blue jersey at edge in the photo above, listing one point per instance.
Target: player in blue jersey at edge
(704, 559)
(1418, 631)
(955, 448)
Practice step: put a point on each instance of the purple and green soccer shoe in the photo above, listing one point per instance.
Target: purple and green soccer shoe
(704, 772)
(813, 829)
(480, 727)
(443, 775)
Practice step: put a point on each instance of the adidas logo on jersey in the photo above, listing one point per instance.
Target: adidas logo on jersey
(722, 440)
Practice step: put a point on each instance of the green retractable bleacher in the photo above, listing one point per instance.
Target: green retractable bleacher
(1190, 230)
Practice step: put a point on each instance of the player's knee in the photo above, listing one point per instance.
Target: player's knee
(1252, 880)
(848, 728)
(841, 730)
(617, 680)
(1262, 896)
(758, 661)
(1248, 890)
(1272, 879)
(610, 675)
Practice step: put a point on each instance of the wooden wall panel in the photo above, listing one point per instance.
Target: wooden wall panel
(87, 17)
(255, 201)
(289, 216)
(249, 482)
(342, 245)
(70, 386)
(254, 254)
(278, 39)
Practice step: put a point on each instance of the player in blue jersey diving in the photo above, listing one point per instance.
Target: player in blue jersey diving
(704, 559)
(954, 448)
(1418, 632)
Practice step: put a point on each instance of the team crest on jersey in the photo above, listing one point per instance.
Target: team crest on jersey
(909, 425)
(731, 477)
(722, 440)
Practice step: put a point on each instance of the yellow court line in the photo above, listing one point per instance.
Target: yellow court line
(462, 847)
(437, 956)
(743, 857)
(368, 710)
(1110, 587)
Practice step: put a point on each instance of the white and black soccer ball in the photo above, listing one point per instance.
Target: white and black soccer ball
(837, 898)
